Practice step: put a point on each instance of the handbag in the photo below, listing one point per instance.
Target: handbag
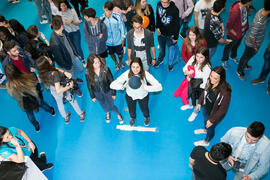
(11, 170)
(195, 82)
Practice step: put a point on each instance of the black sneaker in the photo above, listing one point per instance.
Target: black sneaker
(108, 117)
(84, 63)
(248, 67)
(79, 81)
(48, 166)
(132, 121)
(241, 76)
(53, 111)
(43, 157)
(67, 118)
(37, 128)
(82, 116)
(158, 63)
(122, 66)
(78, 92)
(182, 35)
(120, 118)
(146, 121)
(170, 68)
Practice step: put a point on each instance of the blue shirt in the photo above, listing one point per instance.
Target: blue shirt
(6, 151)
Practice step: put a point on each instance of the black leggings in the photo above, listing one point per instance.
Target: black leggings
(40, 163)
(75, 4)
(143, 103)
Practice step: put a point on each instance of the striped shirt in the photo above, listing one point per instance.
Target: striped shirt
(257, 29)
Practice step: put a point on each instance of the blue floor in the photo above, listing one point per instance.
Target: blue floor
(96, 150)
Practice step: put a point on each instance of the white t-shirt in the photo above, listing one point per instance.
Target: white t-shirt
(202, 7)
(198, 73)
(141, 54)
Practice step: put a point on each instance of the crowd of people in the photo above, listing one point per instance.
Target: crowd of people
(31, 63)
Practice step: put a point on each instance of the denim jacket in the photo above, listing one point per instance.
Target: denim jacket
(116, 29)
(258, 164)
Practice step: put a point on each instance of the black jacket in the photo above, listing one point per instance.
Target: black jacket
(148, 40)
(106, 77)
(167, 20)
(60, 52)
(38, 48)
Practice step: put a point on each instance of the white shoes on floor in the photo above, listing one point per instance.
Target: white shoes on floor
(201, 143)
(185, 107)
(200, 131)
(192, 117)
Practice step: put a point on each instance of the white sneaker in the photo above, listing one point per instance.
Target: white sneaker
(192, 117)
(185, 107)
(44, 22)
(157, 46)
(15, 1)
(200, 131)
(124, 49)
(201, 143)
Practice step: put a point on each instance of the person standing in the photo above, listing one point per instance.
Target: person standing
(167, 24)
(215, 101)
(135, 81)
(65, 54)
(265, 70)
(140, 42)
(95, 34)
(206, 165)
(214, 28)
(250, 151)
(185, 8)
(254, 39)
(71, 25)
(237, 25)
(99, 78)
(116, 34)
(200, 11)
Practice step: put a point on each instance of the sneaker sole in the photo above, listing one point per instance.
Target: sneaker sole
(257, 83)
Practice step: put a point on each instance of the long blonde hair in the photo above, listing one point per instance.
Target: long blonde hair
(20, 82)
(138, 9)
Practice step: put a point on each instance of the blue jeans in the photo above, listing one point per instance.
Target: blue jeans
(59, 101)
(44, 9)
(185, 26)
(76, 40)
(212, 51)
(31, 116)
(106, 102)
(211, 130)
(77, 68)
(266, 66)
(173, 49)
(174, 55)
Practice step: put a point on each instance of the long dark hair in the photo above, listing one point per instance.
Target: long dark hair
(65, 2)
(20, 82)
(141, 73)
(44, 68)
(3, 131)
(205, 52)
(90, 61)
(9, 36)
(32, 32)
(222, 82)
(16, 26)
(198, 41)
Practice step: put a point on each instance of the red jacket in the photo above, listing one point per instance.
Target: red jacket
(186, 55)
(234, 22)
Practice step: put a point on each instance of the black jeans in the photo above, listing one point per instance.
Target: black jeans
(266, 66)
(75, 4)
(40, 163)
(231, 47)
(211, 130)
(143, 103)
(248, 54)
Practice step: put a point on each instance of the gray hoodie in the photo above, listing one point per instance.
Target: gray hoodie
(91, 33)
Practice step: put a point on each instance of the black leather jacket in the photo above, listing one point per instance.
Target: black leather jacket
(105, 79)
